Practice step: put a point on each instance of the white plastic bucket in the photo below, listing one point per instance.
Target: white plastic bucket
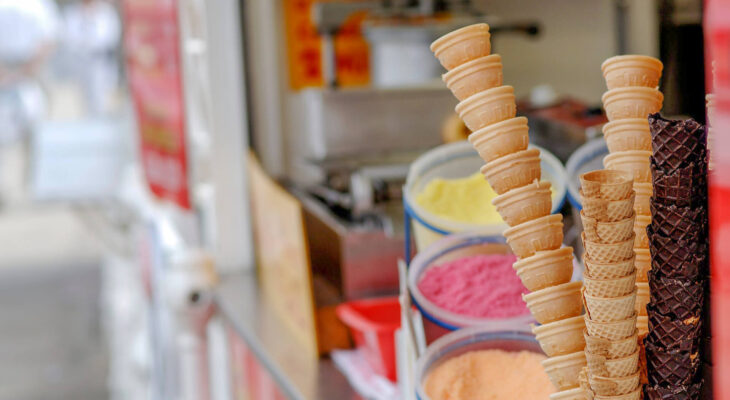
(460, 160)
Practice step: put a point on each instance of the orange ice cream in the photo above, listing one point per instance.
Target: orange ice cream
(490, 375)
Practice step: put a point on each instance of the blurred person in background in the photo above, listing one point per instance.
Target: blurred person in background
(28, 35)
(91, 38)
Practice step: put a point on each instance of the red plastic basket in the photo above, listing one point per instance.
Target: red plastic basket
(373, 324)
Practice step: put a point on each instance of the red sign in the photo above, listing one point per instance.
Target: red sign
(152, 52)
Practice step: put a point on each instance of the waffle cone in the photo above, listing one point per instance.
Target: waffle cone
(462, 45)
(680, 223)
(610, 288)
(642, 298)
(561, 337)
(501, 139)
(475, 76)
(635, 395)
(606, 184)
(611, 330)
(632, 70)
(603, 309)
(555, 303)
(607, 232)
(611, 348)
(678, 298)
(513, 171)
(643, 264)
(570, 394)
(605, 386)
(671, 367)
(692, 391)
(545, 268)
(627, 134)
(612, 368)
(684, 187)
(545, 233)
(641, 240)
(563, 370)
(644, 191)
(607, 210)
(525, 203)
(635, 162)
(487, 107)
(598, 270)
(642, 325)
(631, 102)
(677, 143)
(609, 253)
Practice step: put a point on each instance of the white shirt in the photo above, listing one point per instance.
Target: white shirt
(25, 26)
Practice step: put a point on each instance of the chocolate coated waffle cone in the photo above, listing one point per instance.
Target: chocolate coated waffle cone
(676, 143)
(683, 392)
(679, 223)
(676, 298)
(672, 333)
(676, 259)
(671, 368)
(684, 187)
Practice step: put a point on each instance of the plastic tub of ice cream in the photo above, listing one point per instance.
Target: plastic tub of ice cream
(507, 339)
(456, 161)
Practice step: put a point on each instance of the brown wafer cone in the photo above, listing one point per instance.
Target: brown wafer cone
(541, 234)
(627, 134)
(525, 203)
(475, 76)
(632, 70)
(685, 187)
(682, 392)
(669, 333)
(487, 107)
(555, 303)
(676, 298)
(462, 45)
(631, 102)
(501, 139)
(677, 143)
(561, 337)
(545, 268)
(676, 259)
(671, 367)
(679, 223)
(513, 171)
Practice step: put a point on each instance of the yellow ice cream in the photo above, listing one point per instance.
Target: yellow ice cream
(466, 200)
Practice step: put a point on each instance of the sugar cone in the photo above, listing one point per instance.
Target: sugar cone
(563, 370)
(611, 330)
(561, 337)
(525, 203)
(609, 288)
(608, 253)
(642, 325)
(635, 162)
(462, 45)
(605, 386)
(475, 76)
(598, 270)
(607, 232)
(610, 348)
(603, 309)
(642, 298)
(644, 191)
(545, 268)
(545, 233)
(487, 107)
(607, 210)
(641, 240)
(513, 170)
(501, 139)
(631, 102)
(606, 184)
(555, 303)
(643, 264)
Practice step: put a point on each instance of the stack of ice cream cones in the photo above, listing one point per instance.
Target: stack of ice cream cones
(678, 279)
(609, 291)
(488, 109)
(632, 95)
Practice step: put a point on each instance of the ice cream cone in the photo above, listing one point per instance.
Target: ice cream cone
(607, 232)
(500, 139)
(605, 386)
(611, 348)
(570, 394)
(642, 298)
(609, 288)
(644, 191)
(627, 134)
(631, 102)
(635, 162)
(563, 370)
(671, 367)
(632, 70)
(642, 325)
(611, 330)
(679, 223)
(462, 45)
(607, 210)
(555, 303)
(598, 270)
(640, 239)
(525, 203)
(677, 143)
(474, 76)
(545, 233)
(635, 395)
(609, 253)
(693, 391)
(603, 309)
(606, 184)
(513, 171)
(487, 107)
(612, 367)
(561, 337)
(684, 187)
(676, 298)
(643, 264)
(545, 268)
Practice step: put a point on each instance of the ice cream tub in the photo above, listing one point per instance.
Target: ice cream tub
(504, 337)
(459, 161)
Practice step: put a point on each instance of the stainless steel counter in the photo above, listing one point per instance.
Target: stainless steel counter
(298, 375)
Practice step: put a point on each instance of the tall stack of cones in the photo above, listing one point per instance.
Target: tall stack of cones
(609, 292)
(488, 109)
(632, 95)
(679, 250)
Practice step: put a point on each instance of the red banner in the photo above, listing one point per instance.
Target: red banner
(152, 53)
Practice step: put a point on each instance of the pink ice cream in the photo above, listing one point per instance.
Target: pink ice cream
(482, 286)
